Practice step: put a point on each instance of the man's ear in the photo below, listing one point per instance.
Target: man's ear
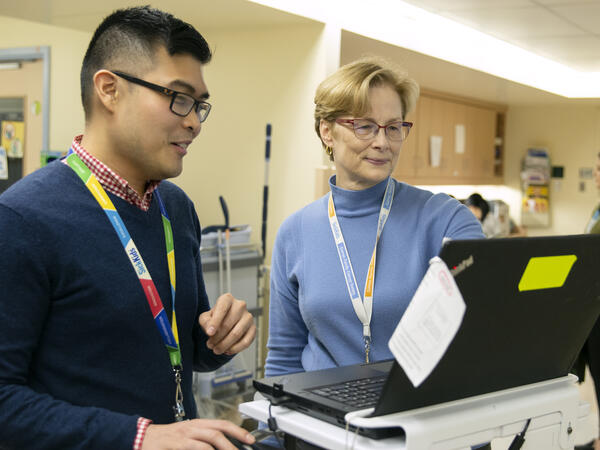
(326, 131)
(105, 88)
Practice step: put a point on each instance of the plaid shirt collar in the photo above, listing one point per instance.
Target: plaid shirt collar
(112, 182)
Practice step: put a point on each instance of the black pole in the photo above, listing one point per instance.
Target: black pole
(225, 211)
(266, 191)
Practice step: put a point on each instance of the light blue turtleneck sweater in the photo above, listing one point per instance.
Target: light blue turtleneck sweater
(312, 324)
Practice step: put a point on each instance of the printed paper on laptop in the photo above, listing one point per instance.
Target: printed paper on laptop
(429, 324)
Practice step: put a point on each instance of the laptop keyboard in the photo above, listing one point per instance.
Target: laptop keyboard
(363, 393)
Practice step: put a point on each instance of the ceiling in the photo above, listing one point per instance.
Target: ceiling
(434, 74)
(566, 31)
(203, 14)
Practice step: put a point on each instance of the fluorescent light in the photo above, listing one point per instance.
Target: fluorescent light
(10, 65)
(404, 25)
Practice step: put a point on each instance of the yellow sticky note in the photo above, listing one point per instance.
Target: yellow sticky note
(544, 272)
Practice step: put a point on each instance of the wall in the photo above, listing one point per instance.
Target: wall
(257, 77)
(67, 48)
(571, 135)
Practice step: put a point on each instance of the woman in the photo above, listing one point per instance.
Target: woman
(359, 117)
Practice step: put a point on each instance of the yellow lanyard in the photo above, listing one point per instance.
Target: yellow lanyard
(363, 307)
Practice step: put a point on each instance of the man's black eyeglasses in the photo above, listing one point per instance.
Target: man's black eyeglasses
(181, 104)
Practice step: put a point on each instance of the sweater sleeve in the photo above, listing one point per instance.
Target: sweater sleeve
(460, 223)
(288, 335)
(28, 418)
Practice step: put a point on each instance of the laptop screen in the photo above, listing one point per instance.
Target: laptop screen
(530, 305)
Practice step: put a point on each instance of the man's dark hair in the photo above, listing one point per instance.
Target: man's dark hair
(130, 37)
(479, 202)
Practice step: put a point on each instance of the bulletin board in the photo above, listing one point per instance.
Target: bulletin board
(12, 137)
(12, 140)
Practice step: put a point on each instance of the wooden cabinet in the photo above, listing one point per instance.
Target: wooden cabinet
(452, 120)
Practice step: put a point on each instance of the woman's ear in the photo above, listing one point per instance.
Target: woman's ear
(106, 89)
(326, 131)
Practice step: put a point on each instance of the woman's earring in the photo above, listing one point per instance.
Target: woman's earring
(329, 152)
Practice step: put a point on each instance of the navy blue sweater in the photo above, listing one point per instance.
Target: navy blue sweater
(80, 356)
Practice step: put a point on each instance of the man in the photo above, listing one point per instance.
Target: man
(92, 354)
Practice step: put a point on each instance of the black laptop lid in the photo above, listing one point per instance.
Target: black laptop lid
(508, 337)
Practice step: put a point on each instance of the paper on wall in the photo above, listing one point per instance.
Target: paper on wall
(3, 164)
(13, 138)
(459, 138)
(429, 324)
(435, 150)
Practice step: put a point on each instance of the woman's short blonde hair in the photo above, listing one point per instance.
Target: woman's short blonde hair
(346, 91)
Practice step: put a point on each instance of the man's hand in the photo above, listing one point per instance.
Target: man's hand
(197, 434)
(229, 326)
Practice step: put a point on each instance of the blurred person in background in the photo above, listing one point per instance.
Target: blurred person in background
(593, 225)
(481, 209)
(590, 354)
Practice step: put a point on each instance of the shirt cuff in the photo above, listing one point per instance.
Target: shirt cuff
(142, 426)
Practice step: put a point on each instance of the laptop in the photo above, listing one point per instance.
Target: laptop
(530, 305)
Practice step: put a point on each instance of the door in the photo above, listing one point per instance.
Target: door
(21, 93)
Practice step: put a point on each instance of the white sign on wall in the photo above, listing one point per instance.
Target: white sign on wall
(3, 164)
